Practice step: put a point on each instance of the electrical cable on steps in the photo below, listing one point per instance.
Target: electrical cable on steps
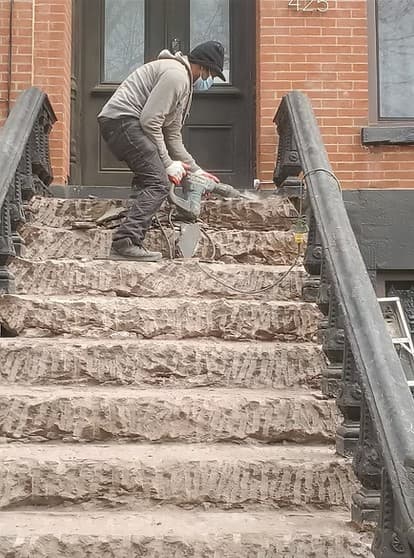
(300, 230)
(257, 291)
(298, 238)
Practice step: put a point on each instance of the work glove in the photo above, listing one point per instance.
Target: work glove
(176, 172)
(201, 172)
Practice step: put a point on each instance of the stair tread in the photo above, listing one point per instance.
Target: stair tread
(151, 302)
(28, 343)
(188, 524)
(231, 394)
(177, 278)
(152, 267)
(244, 246)
(104, 316)
(257, 212)
(143, 362)
(155, 453)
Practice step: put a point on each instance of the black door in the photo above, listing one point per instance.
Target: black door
(119, 35)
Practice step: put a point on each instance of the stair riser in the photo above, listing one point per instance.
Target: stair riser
(168, 279)
(149, 319)
(269, 214)
(274, 247)
(139, 484)
(151, 364)
(187, 418)
(232, 545)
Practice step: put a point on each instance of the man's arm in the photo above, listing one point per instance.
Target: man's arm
(175, 145)
(162, 101)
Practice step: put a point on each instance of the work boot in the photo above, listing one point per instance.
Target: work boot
(124, 249)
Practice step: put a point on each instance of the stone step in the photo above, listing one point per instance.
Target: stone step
(158, 415)
(148, 318)
(146, 363)
(181, 534)
(176, 278)
(136, 476)
(231, 246)
(257, 214)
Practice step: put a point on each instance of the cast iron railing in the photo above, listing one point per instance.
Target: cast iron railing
(24, 170)
(364, 371)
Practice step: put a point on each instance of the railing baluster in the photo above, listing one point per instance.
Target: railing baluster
(389, 541)
(368, 466)
(7, 250)
(24, 169)
(349, 401)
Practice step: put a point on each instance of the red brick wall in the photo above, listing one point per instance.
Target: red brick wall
(41, 56)
(325, 55)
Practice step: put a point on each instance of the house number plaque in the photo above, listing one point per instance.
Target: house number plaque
(309, 5)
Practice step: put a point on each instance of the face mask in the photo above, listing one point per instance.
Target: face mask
(203, 84)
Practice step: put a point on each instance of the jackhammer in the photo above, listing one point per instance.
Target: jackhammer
(187, 227)
(194, 188)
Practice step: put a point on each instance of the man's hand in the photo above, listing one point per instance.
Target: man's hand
(176, 172)
(201, 172)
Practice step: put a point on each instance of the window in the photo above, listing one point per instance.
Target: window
(210, 21)
(394, 24)
(124, 38)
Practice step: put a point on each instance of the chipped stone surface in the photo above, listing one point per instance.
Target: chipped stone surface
(149, 318)
(181, 534)
(257, 214)
(189, 363)
(164, 279)
(265, 214)
(164, 415)
(269, 247)
(96, 410)
(140, 476)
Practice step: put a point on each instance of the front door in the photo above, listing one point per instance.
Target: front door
(118, 35)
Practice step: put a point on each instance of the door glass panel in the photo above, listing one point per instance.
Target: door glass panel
(124, 38)
(210, 21)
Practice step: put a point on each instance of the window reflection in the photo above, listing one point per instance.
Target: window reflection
(396, 58)
(124, 38)
(210, 21)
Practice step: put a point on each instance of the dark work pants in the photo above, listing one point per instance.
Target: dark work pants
(128, 143)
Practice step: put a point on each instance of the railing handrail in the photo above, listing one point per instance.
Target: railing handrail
(16, 132)
(389, 398)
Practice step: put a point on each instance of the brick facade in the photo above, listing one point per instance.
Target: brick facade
(323, 54)
(41, 56)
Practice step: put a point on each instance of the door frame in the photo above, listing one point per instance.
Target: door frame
(75, 188)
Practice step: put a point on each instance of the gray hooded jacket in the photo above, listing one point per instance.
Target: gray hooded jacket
(159, 94)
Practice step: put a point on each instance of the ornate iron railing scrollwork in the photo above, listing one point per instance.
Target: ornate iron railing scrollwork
(25, 170)
(372, 392)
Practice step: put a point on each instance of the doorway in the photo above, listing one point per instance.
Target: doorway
(116, 36)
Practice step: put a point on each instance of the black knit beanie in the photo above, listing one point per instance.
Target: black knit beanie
(210, 55)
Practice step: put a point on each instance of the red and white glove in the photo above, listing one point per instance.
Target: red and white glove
(176, 172)
(201, 172)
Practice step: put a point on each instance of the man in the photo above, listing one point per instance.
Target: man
(142, 123)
